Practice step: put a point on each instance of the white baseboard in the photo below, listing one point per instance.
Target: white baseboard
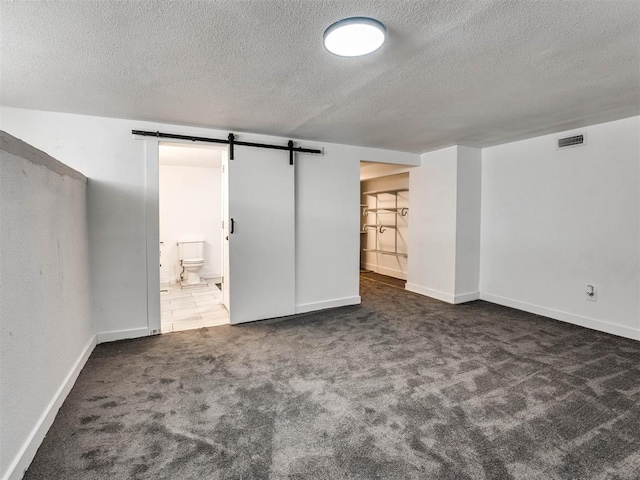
(122, 334)
(391, 272)
(466, 297)
(429, 292)
(338, 302)
(579, 320)
(30, 447)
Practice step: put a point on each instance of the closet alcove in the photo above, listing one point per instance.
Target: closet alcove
(384, 220)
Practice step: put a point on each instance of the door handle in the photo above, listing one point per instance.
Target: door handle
(233, 226)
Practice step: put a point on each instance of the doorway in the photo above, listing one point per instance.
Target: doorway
(190, 211)
(384, 222)
(258, 228)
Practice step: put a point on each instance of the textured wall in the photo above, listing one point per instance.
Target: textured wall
(45, 321)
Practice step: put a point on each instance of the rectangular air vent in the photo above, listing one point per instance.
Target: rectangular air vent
(574, 141)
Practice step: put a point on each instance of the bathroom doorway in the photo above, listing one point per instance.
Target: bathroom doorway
(191, 236)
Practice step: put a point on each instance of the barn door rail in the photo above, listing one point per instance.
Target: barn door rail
(232, 142)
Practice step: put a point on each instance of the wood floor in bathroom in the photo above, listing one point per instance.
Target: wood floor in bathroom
(191, 307)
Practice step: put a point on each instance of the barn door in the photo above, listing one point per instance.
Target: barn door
(261, 199)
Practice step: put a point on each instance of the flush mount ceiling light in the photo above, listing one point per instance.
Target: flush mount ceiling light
(355, 36)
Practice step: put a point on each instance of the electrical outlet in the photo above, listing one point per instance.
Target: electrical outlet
(591, 293)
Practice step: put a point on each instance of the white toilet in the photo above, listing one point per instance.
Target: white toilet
(192, 259)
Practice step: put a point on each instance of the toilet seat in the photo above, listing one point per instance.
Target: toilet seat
(193, 261)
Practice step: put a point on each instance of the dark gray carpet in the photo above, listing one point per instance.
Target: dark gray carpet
(399, 387)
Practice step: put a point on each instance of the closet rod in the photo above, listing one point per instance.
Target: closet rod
(231, 141)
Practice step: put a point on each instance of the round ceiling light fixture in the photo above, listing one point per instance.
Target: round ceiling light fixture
(355, 36)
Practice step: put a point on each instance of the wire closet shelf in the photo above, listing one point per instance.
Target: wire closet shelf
(379, 227)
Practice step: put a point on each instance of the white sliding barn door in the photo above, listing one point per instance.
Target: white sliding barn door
(261, 276)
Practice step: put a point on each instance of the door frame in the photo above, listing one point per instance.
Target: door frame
(152, 221)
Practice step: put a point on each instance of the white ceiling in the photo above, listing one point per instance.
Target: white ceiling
(474, 72)
(187, 155)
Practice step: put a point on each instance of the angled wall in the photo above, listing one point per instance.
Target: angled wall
(46, 332)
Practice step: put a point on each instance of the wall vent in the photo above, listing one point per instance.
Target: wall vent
(574, 141)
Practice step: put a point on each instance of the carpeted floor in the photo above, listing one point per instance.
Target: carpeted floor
(400, 387)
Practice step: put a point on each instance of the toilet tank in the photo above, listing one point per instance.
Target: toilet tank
(191, 249)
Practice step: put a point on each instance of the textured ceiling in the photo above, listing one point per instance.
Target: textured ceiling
(474, 72)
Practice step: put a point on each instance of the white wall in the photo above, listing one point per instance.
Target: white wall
(544, 214)
(432, 236)
(327, 211)
(46, 332)
(190, 208)
(381, 263)
(327, 220)
(468, 200)
(444, 238)
(554, 221)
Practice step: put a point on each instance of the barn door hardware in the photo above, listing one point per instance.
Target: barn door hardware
(232, 139)
(290, 145)
(232, 142)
